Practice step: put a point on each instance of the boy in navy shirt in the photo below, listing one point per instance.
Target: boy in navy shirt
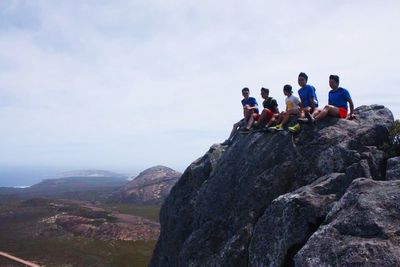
(250, 113)
(338, 99)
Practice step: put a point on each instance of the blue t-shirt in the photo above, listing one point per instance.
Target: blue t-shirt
(305, 93)
(251, 101)
(339, 97)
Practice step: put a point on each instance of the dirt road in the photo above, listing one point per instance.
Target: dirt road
(10, 257)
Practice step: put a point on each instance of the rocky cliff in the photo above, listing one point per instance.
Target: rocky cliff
(318, 198)
(151, 186)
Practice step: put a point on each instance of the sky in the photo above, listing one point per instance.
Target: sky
(126, 85)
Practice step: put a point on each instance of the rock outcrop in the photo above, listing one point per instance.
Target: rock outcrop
(279, 199)
(393, 168)
(150, 187)
(362, 229)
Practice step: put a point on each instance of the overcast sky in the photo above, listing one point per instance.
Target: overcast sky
(125, 85)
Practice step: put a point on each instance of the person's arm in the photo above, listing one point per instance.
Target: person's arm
(301, 104)
(298, 102)
(253, 104)
(275, 107)
(351, 115)
(312, 102)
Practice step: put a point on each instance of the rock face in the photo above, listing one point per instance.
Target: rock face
(276, 199)
(393, 169)
(362, 229)
(151, 186)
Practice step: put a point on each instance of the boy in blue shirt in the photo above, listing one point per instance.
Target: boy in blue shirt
(250, 113)
(337, 104)
(309, 100)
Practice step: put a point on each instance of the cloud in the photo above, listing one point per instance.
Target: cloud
(138, 83)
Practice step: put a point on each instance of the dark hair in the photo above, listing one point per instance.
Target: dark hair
(266, 90)
(245, 89)
(288, 88)
(303, 75)
(335, 78)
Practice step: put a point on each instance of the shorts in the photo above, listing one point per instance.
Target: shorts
(256, 116)
(342, 113)
(268, 114)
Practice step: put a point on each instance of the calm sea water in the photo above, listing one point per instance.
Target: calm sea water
(17, 176)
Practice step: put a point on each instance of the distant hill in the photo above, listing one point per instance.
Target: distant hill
(83, 185)
(150, 187)
(89, 173)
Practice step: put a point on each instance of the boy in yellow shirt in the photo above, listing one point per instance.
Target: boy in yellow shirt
(292, 108)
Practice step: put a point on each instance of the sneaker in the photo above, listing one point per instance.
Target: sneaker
(276, 128)
(295, 128)
(227, 142)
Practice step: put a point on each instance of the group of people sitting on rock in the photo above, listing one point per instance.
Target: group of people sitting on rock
(304, 108)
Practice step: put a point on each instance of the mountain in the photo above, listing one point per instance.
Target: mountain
(76, 184)
(85, 185)
(325, 196)
(151, 186)
(89, 173)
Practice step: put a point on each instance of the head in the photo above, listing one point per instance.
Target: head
(334, 81)
(245, 92)
(287, 90)
(264, 92)
(302, 80)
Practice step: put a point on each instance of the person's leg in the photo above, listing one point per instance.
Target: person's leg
(249, 118)
(328, 111)
(262, 120)
(307, 113)
(285, 118)
(316, 112)
(274, 119)
(268, 115)
(288, 114)
(234, 129)
(250, 122)
(247, 114)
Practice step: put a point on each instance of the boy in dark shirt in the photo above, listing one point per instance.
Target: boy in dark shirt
(270, 108)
